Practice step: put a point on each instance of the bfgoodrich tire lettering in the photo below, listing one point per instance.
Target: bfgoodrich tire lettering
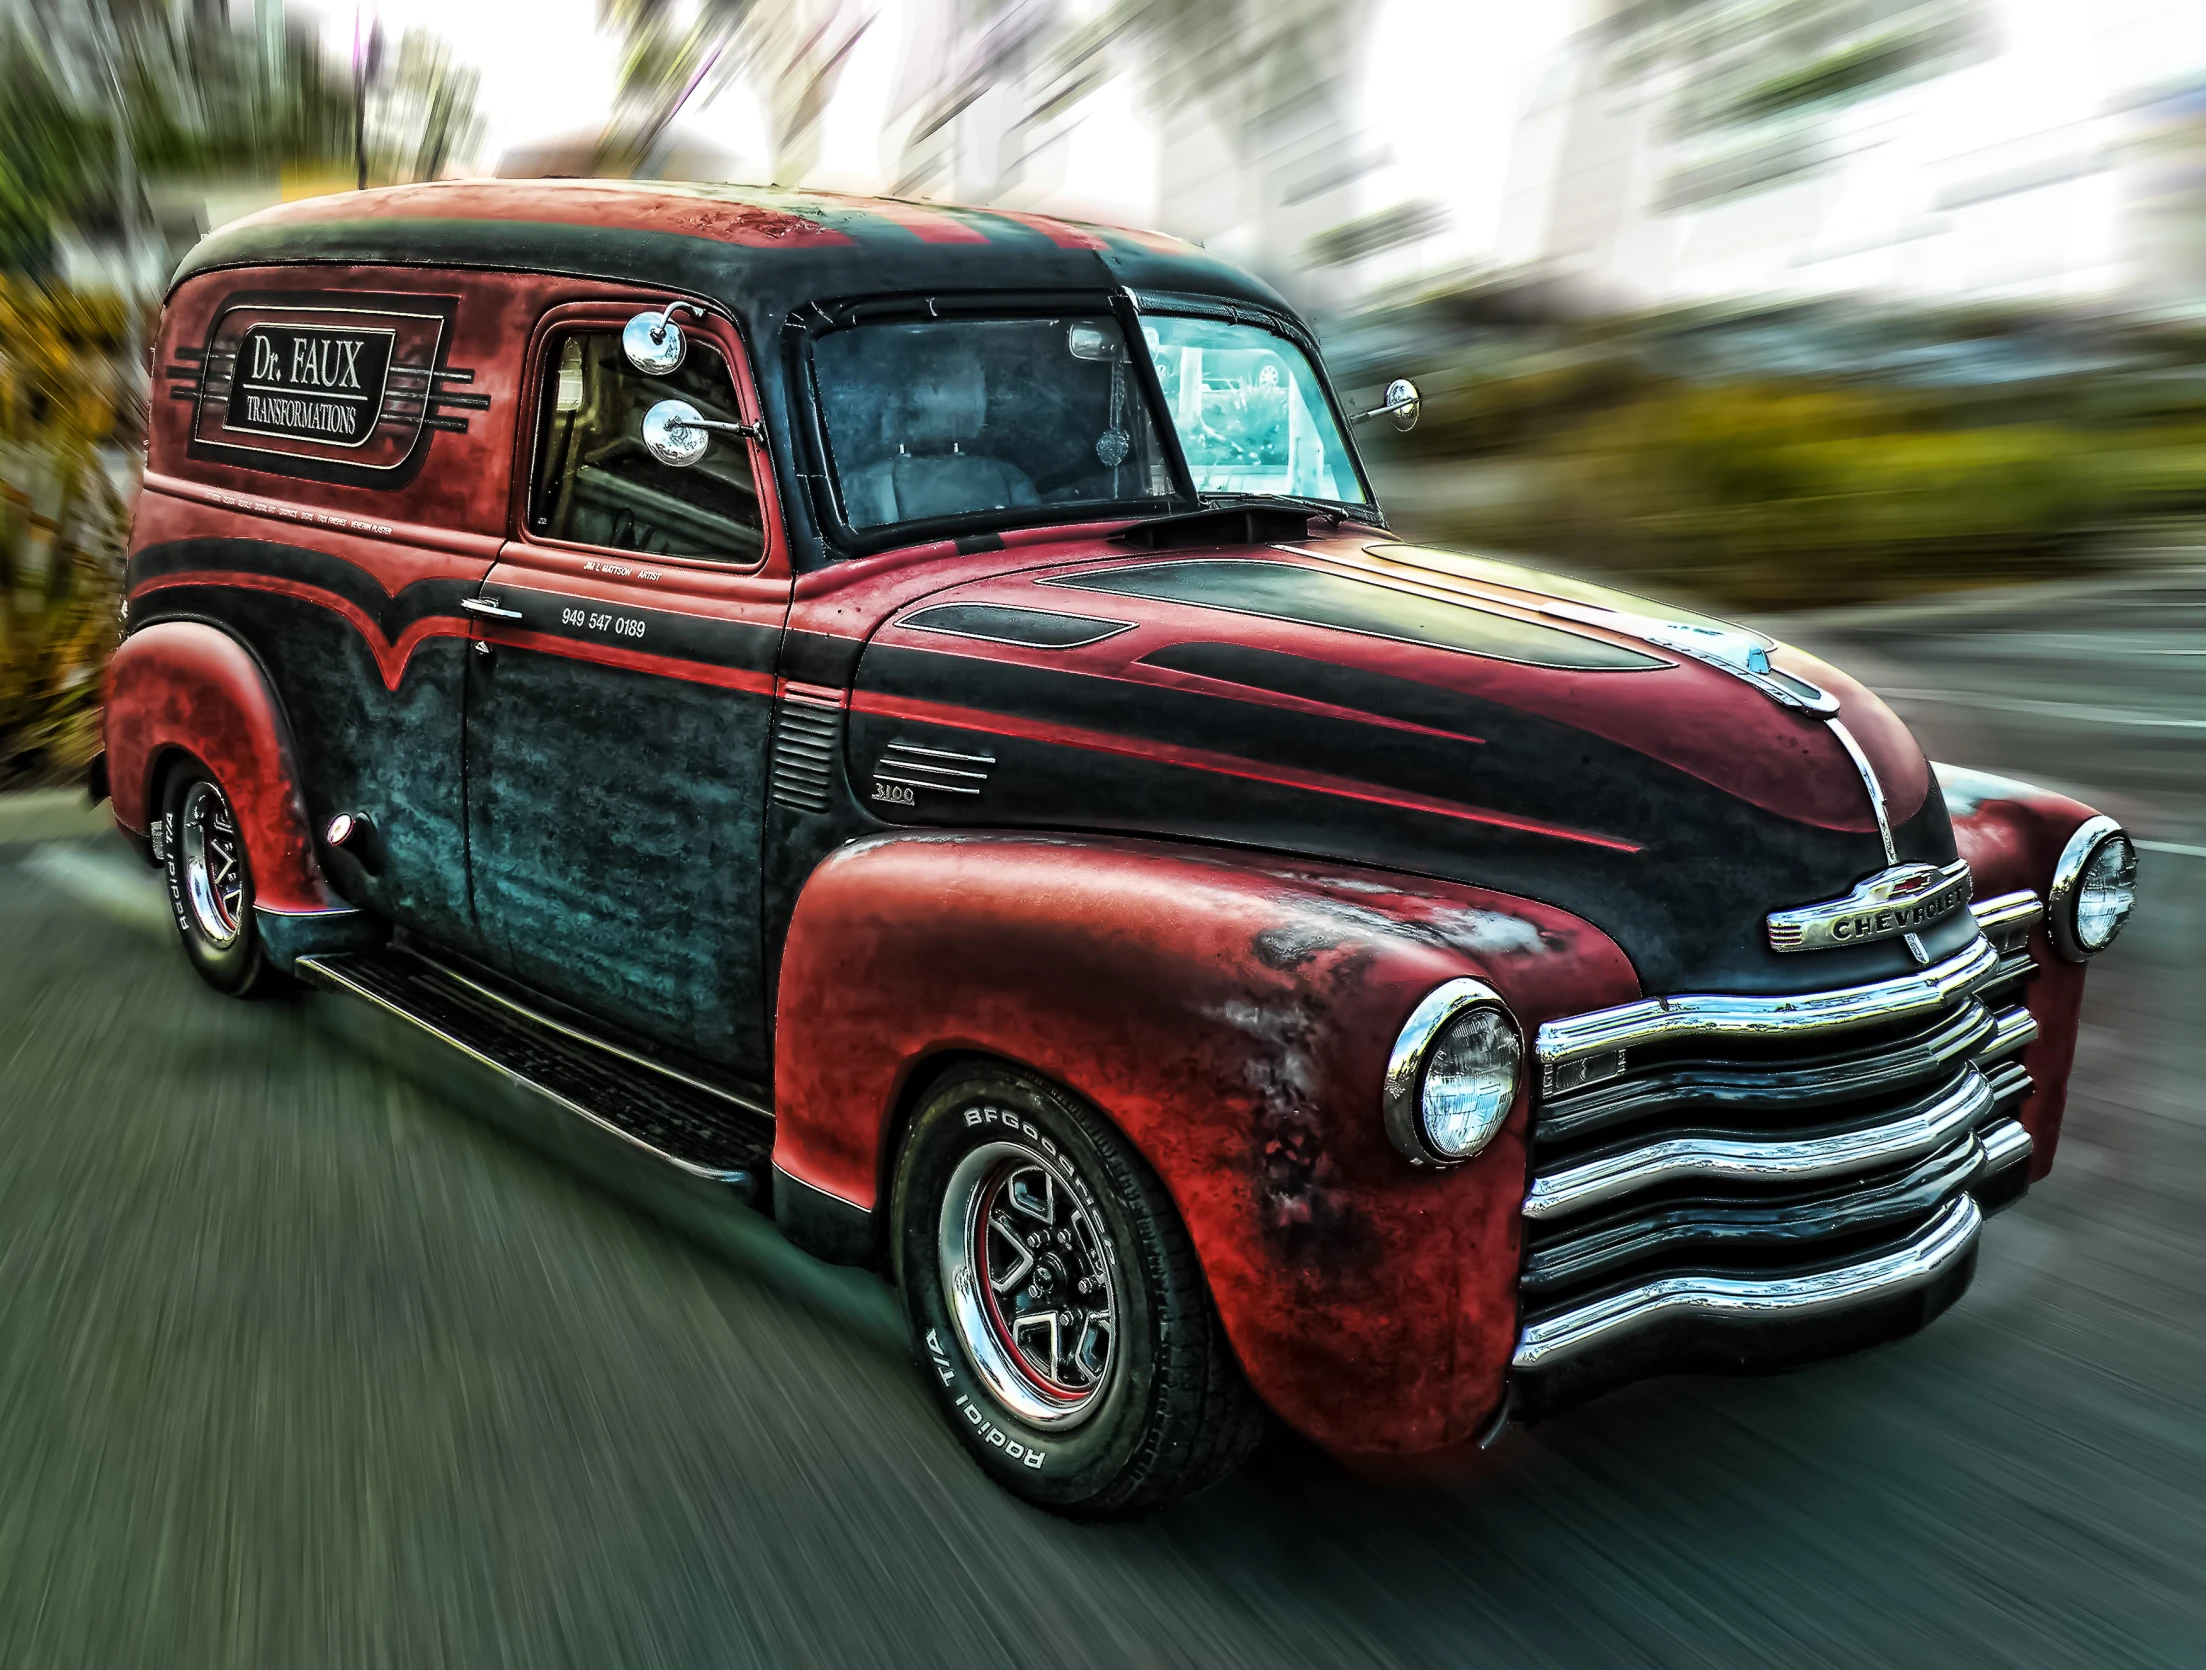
(1087, 1372)
(210, 885)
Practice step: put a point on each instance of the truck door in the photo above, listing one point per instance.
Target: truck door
(621, 696)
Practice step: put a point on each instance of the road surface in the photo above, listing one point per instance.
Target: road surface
(302, 1365)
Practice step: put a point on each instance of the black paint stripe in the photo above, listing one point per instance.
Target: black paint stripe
(303, 565)
(1380, 694)
(1318, 597)
(1001, 624)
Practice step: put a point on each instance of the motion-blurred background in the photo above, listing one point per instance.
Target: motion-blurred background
(1784, 302)
(1880, 322)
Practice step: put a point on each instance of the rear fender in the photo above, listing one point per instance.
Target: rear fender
(185, 687)
(2012, 833)
(1233, 1014)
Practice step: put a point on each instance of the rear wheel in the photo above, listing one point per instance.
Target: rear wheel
(1060, 1312)
(210, 883)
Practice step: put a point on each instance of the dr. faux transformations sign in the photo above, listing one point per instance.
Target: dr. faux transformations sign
(310, 382)
(339, 386)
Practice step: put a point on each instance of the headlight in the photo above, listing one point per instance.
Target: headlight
(2094, 888)
(1453, 1074)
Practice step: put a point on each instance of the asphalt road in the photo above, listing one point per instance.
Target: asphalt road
(300, 1365)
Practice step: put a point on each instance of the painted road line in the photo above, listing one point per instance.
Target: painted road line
(2053, 710)
(2179, 848)
(112, 883)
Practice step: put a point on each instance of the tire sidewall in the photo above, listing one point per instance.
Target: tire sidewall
(1054, 1466)
(228, 968)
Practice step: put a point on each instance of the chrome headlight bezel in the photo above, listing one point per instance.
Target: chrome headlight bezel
(2064, 899)
(1441, 1009)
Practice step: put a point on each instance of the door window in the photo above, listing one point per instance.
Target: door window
(597, 485)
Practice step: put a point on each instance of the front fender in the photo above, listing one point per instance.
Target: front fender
(1233, 1014)
(181, 685)
(2012, 833)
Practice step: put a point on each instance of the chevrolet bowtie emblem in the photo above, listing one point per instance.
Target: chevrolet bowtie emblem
(1902, 900)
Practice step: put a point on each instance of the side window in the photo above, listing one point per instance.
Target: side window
(596, 485)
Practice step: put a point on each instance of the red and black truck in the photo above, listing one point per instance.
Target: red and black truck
(916, 715)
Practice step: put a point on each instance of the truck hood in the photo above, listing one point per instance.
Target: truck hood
(1417, 710)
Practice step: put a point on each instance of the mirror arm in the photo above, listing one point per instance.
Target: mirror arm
(666, 317)
(749, 431)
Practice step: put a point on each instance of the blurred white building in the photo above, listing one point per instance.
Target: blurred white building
(1923, 148)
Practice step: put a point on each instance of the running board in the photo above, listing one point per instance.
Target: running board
(703, 1131)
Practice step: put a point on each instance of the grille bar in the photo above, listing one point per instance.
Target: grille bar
(1793, 1226)
(1929, 1125)
(1695, 1154)
(1813, 1081)
(1801, 1015)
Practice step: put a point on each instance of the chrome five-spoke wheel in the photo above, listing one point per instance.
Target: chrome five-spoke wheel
(213, 864)
(1029, 1274)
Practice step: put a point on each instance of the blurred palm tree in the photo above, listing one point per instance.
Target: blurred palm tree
(675, 56)
(1273, 81)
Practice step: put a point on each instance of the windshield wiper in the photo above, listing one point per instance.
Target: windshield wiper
(1334, 513)
(1224, 519)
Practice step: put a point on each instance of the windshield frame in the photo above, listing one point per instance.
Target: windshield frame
(844, 541)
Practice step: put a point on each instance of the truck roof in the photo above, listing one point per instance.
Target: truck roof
(762, 252)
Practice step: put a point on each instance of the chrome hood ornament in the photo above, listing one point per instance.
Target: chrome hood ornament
(1902, 900)
(1742, 654)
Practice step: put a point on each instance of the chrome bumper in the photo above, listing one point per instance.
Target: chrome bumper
(1711, 1306)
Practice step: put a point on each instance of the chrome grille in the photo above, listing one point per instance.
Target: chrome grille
(1756, 1137)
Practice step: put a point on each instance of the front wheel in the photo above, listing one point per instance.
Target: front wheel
(1060, 1312)
(210, 885)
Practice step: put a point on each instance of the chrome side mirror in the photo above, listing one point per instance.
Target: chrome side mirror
(654, 343)
(677, 434)
(1402, 403)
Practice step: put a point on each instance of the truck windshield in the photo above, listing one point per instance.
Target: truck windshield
(959, 417)
(946, 419)
(1250, 411)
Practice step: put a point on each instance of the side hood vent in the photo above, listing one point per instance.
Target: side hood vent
(808, 733)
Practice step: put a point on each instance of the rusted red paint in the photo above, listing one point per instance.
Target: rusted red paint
(1233, 1016)
(928, 224)
(614, 205)
(182, 686)
(2013, 841)
(1063, 233)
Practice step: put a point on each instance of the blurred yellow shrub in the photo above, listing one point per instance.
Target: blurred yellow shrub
(70, 410)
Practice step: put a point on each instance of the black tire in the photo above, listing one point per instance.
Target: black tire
(1148, 1404)
(210, 883)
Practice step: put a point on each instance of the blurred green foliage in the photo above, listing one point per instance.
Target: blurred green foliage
(195, 98)
(1950, 450)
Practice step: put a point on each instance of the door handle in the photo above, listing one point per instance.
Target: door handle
(488, 606)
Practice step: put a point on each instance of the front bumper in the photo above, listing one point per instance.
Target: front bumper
(1779, 1184)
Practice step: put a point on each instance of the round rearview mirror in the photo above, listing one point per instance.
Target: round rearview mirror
(1403, 404)
(674, 432)
(653, 343)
